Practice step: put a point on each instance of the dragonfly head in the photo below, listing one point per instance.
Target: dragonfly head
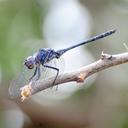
(29, 62)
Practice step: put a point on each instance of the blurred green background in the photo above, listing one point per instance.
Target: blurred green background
(27, 25)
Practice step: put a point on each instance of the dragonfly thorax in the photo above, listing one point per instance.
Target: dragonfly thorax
(45, 55)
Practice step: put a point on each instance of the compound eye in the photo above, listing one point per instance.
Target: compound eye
(30, 66)
(29, 63)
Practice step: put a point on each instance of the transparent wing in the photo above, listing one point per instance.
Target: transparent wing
(23, 78)
(47, 72)
(20, 81)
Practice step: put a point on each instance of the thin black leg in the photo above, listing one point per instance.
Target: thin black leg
(54, 68)
(35, 72)
(38, 72)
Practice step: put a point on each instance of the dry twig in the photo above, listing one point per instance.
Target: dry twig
(78, 75)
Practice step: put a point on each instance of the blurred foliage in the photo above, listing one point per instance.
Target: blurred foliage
(20, 21)
(2, 120)
(103, 104)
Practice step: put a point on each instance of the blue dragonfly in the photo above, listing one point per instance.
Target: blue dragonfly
(44, 56)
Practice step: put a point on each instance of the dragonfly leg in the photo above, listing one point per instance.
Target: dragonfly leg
(38, 72)
(54, 68)
(33, 74)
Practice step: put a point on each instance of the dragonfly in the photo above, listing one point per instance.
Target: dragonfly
(44, 56)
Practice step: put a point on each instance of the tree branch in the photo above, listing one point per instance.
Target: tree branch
(78, 75)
